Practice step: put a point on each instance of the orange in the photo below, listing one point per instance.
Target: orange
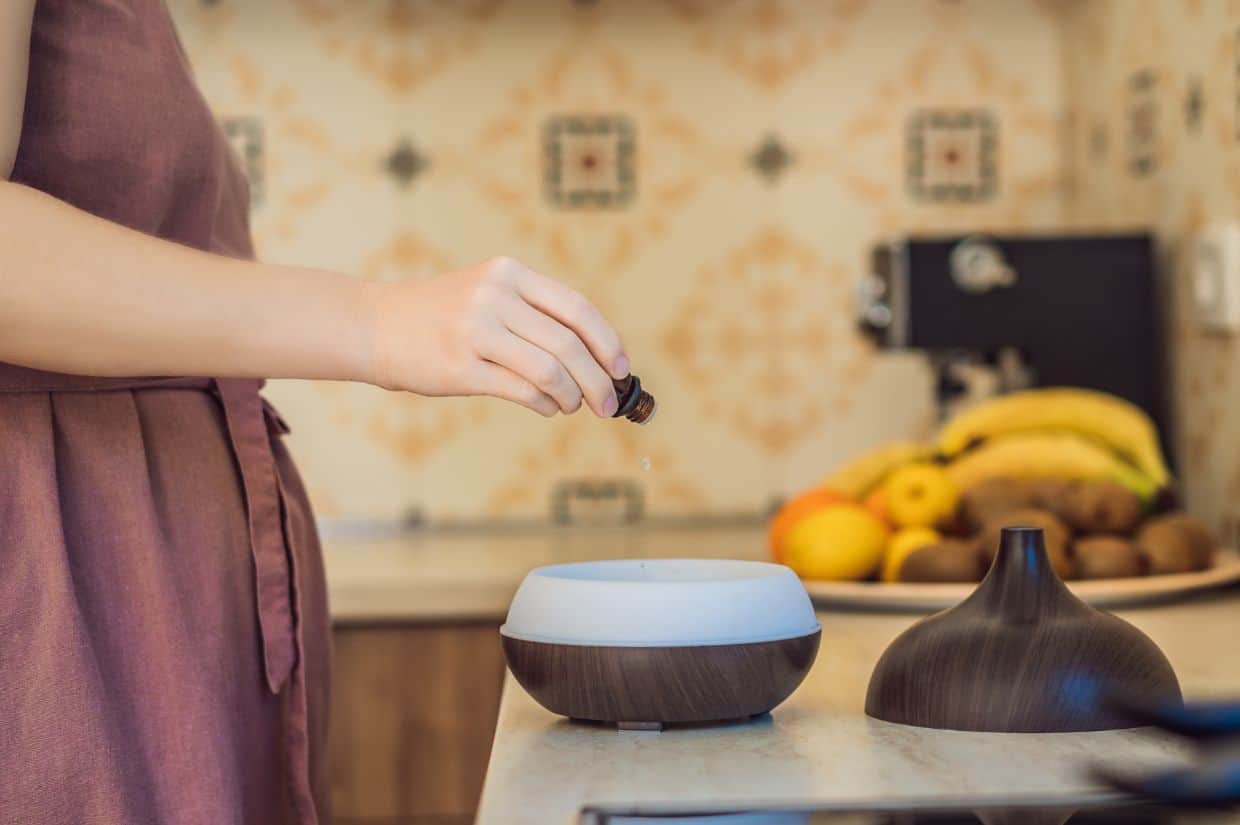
(795, 509)
(876, 503)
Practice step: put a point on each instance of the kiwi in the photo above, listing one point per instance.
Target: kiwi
(994, 497)
(1097, 507)
(950, 560)
(1054, 532)
(1048, 492)
(1175, 543)
(1107, 557)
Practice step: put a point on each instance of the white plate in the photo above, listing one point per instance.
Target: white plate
(1098, 592)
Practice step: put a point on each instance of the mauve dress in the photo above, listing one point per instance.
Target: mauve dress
(164, 636)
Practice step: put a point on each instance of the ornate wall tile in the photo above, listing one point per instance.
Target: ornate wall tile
(1194, 179)
(766, 341)
(602, 136)
(771, 159)
(768, 41)
(246, 135)
(406, 255)
(1194, 105)
(1142, 123)
(583, 448)
(767, 152)
(1235, 82)
(589, 161)
(204, 21)
(936, 118)
(403, 44)
(294, 151)
(953, 155)
(405, 162)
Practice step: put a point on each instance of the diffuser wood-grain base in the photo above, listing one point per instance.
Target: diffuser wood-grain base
(651, 686)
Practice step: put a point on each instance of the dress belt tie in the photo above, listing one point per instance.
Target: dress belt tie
(251, 422)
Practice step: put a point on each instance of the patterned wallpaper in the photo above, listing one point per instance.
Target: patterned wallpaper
(1155, 141)
(711, 172)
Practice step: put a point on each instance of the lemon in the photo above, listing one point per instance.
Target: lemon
(843, 543)
(902, 544)
(920, 495)
(795, 510)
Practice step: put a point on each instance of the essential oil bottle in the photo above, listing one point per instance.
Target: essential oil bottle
(635, 404)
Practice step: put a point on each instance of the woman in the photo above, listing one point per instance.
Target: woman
(163, 624)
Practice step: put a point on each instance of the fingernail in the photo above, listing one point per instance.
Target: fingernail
(622, 366)
(610, 406)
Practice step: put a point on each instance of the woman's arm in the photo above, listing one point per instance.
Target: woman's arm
(79, 294)
(83, 295)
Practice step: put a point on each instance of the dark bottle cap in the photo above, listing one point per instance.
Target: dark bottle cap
(635, 404)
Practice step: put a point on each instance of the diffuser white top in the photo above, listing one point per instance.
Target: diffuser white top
(660, 603)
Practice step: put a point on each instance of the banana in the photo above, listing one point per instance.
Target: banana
(1047, 455)
(1120, 425)
(862, 474)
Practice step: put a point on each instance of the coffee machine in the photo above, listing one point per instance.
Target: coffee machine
(1037, 311)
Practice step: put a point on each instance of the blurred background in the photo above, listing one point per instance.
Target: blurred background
(715, 175)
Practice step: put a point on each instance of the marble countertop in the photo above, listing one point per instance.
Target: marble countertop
(820, 747)
(433, 576)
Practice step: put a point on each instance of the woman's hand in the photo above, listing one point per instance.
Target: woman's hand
(497, 329)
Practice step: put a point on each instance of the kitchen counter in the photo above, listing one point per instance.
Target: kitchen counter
(432, 576)
(819, 746)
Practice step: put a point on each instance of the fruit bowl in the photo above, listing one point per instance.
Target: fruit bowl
(916, 524)
(1107, 593)
(645, 643)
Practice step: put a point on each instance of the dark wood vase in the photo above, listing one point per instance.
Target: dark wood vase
(648, 687)
(1020, 654)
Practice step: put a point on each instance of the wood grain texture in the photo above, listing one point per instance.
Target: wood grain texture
(413, 716)
(669, 685)
(1021, 654)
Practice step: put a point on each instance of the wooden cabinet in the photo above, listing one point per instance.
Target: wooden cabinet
(413, 714)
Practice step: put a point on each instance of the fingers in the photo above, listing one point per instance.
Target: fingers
(499, 382)
(533, 364)
(551, 336)
(574, 310)
(546, 335)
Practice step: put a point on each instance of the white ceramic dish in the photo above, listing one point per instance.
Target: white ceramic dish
(1107, 593)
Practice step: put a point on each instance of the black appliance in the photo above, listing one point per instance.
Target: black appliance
(1077, 310)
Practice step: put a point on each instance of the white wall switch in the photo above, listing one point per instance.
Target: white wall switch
(1216, 277)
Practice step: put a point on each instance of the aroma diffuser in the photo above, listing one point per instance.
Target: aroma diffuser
(1021, 654)
(645, 643)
